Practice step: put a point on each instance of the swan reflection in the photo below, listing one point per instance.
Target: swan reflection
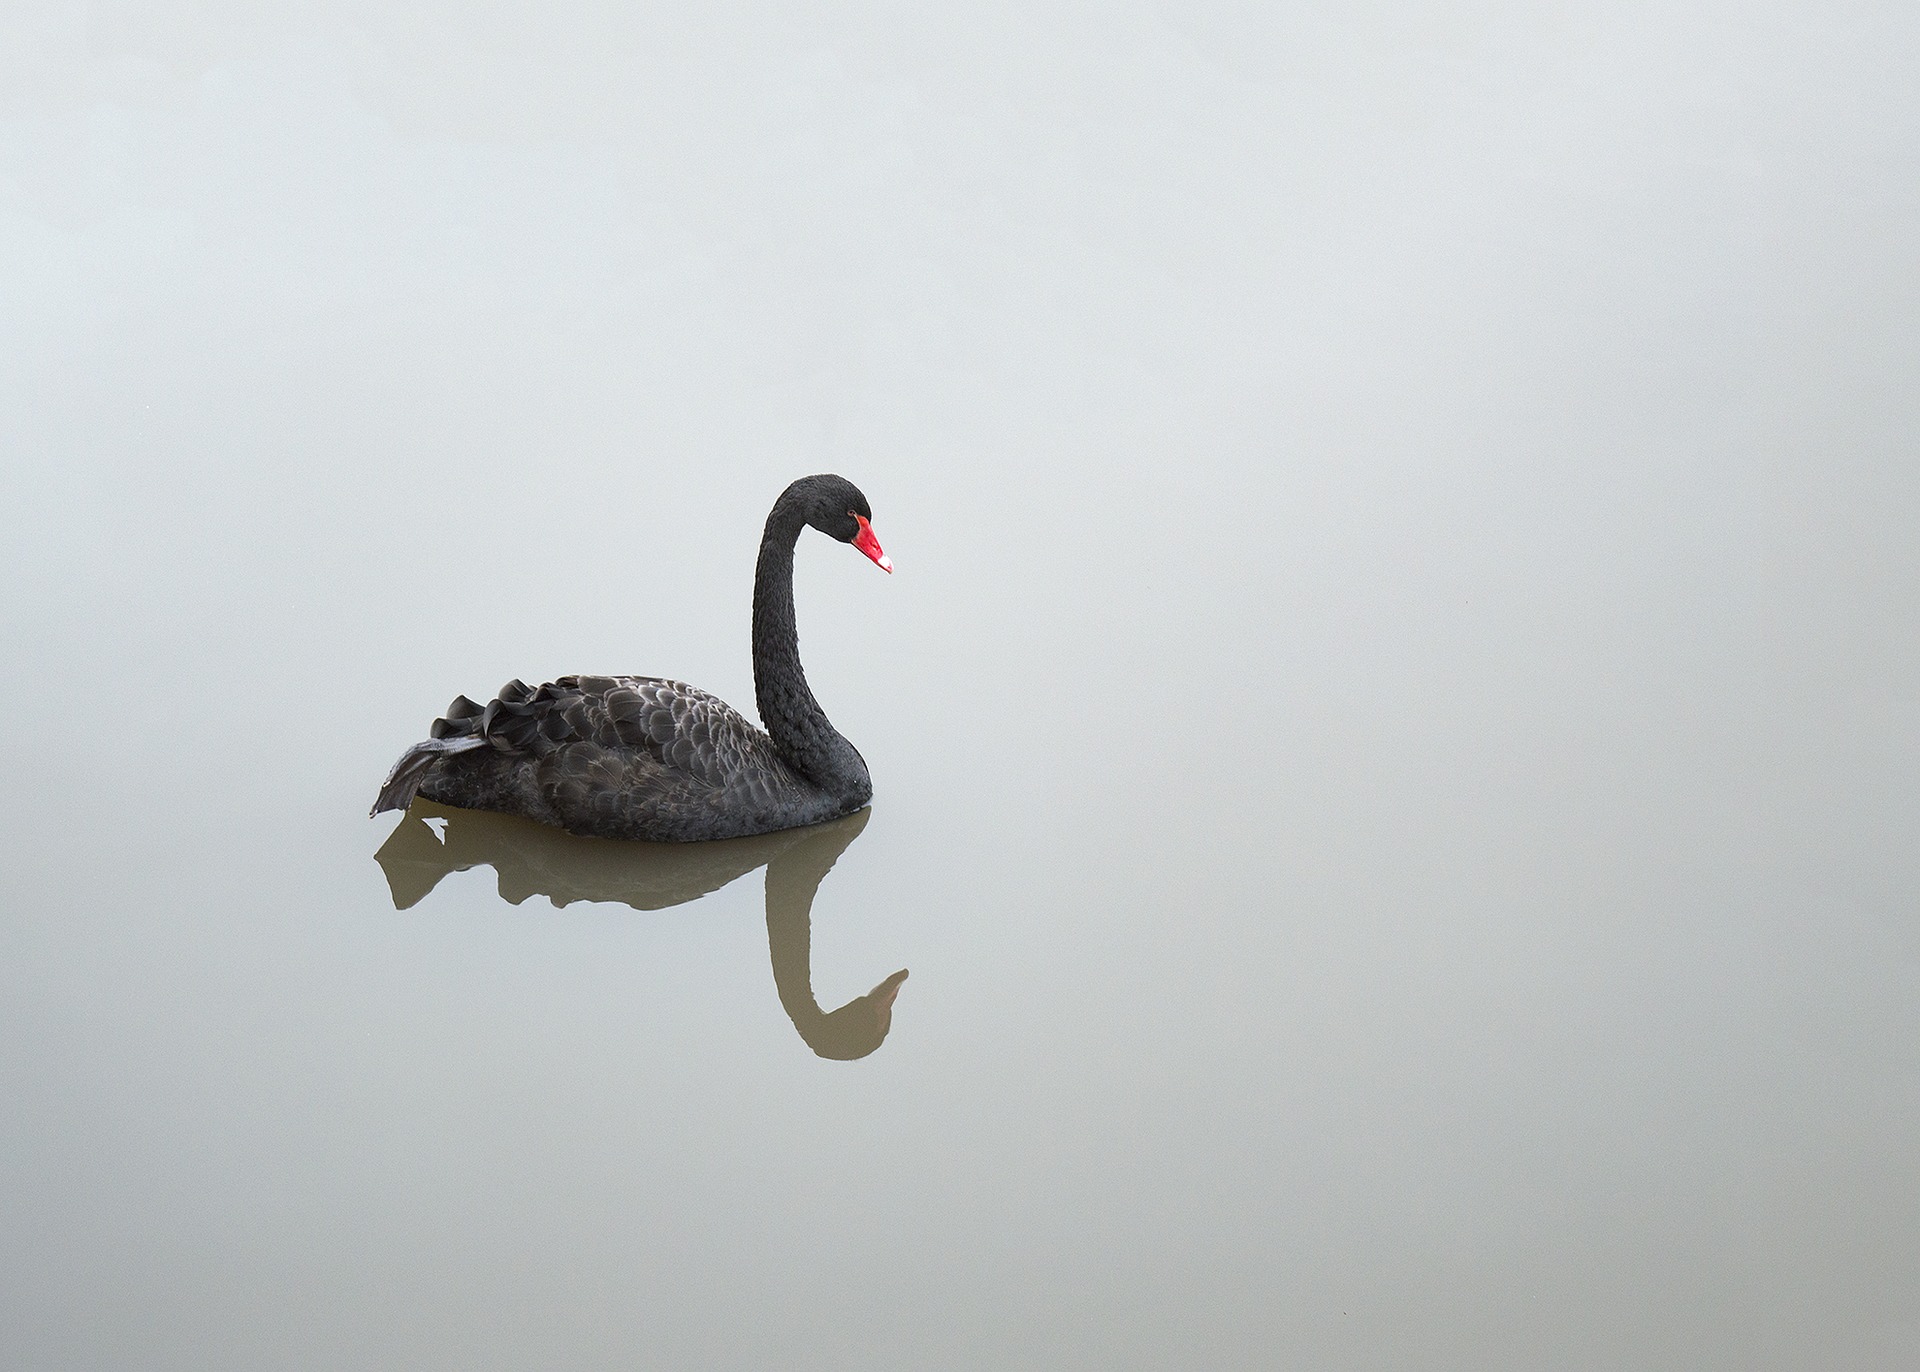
(535, 859)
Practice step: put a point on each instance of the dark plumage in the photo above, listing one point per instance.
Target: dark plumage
(648, 758)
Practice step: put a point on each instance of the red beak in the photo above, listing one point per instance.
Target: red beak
(868, 544)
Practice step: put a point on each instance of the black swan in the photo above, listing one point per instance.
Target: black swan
(646, 758)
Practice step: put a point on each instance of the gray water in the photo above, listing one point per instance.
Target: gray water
(1395, 730)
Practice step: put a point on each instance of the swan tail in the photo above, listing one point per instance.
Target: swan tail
(397, 792)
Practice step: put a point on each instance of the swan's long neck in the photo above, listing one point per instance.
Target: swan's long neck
(793, 718)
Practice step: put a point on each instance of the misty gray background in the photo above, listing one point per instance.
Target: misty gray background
(1394, 730)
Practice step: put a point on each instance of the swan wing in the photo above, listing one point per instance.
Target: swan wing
(678, 726)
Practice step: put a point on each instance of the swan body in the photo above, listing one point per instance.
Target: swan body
(647, 758)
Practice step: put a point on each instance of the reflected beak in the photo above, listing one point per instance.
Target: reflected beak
(883, 995)
(868, 544)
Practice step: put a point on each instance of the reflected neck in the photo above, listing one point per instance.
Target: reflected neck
(793, 876)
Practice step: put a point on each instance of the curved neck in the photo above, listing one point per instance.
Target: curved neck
(793, 718)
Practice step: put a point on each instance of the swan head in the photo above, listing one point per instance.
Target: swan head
(835, 506)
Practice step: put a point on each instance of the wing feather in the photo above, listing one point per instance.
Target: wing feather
(693, 734)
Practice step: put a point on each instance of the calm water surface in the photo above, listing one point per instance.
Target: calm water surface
(1395, 728)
